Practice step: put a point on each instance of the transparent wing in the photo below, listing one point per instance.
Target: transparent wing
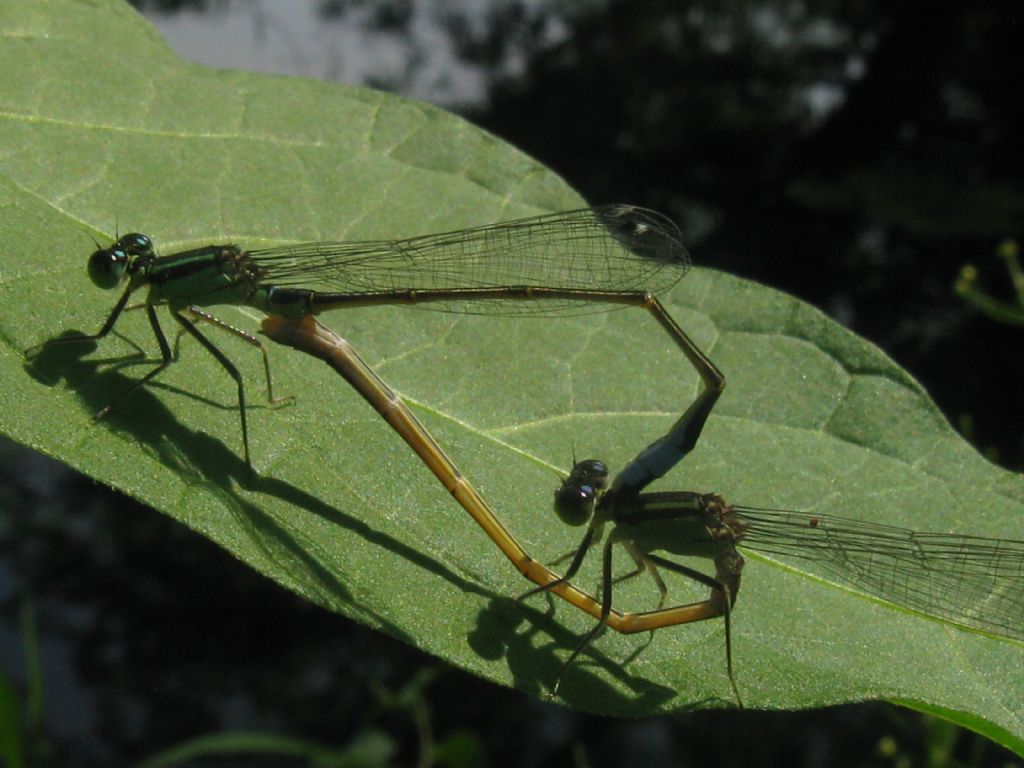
(968, 580)
(615, 248)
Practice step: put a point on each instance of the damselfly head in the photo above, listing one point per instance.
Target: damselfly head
(107, 265)
(577, 496)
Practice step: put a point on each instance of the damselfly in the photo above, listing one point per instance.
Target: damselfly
(556, 263)
(970, 581)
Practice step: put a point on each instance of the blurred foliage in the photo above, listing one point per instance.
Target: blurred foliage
(850, 153)
(1010, 312)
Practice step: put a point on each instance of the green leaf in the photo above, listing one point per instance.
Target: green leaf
(813, 417)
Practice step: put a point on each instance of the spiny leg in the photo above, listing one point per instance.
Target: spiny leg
(563, 557)
(724, 587)
(103, 331)
(606, 608)
(247, 337)
(629, 575)
(229, 367)
(574, 566)
(726, 596)
(108, 325)
(644, 563)
(161, 340)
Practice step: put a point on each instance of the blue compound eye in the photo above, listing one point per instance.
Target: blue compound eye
(135, 244)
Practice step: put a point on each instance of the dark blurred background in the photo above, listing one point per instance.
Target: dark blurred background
(857, 155)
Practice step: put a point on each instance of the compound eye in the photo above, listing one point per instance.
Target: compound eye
(106, 267)
(574, 504)
(591, 472)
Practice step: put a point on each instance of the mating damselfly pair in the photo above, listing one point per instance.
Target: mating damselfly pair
(562, 263)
